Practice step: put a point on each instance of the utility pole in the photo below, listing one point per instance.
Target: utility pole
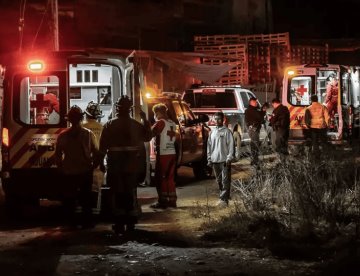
(55, 23)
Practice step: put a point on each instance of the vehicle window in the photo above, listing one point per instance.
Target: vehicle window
(39, 100)
(244, 99)
(99, 83)
(180, 115)
(300, 90)
(345, 99)
(212, 100)
(189, 116)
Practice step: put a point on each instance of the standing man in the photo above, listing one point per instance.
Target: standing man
(280, 122)
(254, 118)
(92, 114)
(220, 153)
(317, 120)
(122, 141)
(76, 155)
(165, 135)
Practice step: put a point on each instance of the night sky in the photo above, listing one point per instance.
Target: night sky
(303, 19)
(317, 18)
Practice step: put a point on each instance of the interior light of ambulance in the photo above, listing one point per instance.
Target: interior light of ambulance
(148, 95)
(36, 66)
(5, 136)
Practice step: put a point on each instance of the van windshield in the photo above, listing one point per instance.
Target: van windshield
(211, 100)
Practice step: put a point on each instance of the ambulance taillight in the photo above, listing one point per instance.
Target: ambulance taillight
(36, 66)
(5, 137)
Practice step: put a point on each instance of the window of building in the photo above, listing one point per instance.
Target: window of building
(87, 75)
(79, 76)
(95, 75)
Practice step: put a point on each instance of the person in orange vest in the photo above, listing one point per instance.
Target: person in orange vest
(331, 98)
(165, 135)
(317, 119)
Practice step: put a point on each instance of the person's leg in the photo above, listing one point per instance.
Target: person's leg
(226, 177)
(85, 199)
(218, 168)
(171, 182)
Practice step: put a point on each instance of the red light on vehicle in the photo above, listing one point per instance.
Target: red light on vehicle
(36, 66)
(5, 136)
(209, 91)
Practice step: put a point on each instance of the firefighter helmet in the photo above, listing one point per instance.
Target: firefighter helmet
(93, 110)
(75, 114)
(124, 103)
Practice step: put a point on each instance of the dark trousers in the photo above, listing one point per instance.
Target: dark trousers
(79, 189)
(123, 188)
(318, 137)
(281, 141)
(254, 135)
(223, 179)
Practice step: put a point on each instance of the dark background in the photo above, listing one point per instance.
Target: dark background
(171, 24)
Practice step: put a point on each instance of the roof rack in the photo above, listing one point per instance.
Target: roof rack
(174, 95)
(220, 86)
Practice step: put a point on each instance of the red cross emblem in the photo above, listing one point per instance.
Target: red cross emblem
(301, 90)
(171, 133)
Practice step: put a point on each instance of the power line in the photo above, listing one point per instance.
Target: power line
(40, 25)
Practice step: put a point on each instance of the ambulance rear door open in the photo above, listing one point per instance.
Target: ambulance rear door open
(299, 84)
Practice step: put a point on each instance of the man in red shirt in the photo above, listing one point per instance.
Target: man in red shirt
(164, 132)
(331, 98)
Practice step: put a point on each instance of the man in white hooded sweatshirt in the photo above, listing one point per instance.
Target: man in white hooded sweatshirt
(220, 153)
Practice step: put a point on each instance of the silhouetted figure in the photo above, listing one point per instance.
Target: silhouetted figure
(76, 155)
(122, 141)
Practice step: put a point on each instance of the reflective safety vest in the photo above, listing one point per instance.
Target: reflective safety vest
(317, 116)
(167, 138)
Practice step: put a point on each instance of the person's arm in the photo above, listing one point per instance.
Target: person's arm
(328, 93)
(307, 118)
(230, 144)
(209, 150)
(58, 153)
(157, 128)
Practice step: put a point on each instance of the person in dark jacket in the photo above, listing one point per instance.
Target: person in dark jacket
(280, 122)
(254, 118)
(122, 141)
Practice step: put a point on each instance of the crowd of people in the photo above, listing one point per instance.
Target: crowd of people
(87, 153)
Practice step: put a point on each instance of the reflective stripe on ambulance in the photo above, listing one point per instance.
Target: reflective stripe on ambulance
(297, 117)
(33, 148)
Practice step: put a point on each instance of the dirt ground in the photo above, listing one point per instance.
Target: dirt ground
(165, 242)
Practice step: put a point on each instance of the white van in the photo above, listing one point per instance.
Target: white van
(231, 100)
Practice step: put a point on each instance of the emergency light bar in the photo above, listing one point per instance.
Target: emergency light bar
(36, 66)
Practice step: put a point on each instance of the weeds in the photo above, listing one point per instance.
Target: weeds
(306, 199)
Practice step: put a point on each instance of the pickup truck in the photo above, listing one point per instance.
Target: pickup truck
(191, 134)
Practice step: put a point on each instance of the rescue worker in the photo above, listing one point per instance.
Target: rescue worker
(280, 122)
(122, 141)
(331, 97)
(254, 118)
(220, 153)
(317, 120)
(76, 155)
(164, 132)
(92, 114)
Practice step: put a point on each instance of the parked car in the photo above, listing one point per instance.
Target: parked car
(231, 100)
(191, 134)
